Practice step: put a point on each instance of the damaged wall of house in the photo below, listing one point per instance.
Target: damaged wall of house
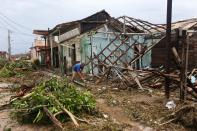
(192, 41)
(158, 52)
(71, 52)
(113, 55)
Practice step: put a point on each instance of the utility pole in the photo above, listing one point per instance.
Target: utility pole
(168, 46)
(9, 45)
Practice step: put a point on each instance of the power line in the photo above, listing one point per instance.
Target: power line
(20, 38)
(3, 24)
(11, 23)
(23, 40)
(19, 33)
(22, 26)
(12, 26)
(5, 21)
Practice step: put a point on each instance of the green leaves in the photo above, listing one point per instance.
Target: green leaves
(67, 94)
(38, 117)
(10, 68)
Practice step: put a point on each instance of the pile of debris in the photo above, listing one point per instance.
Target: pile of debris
(55, 100)
(15, 68)
(127, 78)
(146, 79)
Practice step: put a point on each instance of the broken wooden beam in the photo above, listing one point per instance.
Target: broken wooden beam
(65, 110)
(52, 118)
(177, 58)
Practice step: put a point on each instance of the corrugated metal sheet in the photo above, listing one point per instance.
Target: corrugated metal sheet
(185, 25)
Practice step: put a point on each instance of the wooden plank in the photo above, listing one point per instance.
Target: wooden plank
(176, 56)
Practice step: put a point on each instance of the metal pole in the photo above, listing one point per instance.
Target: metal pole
(168, 46)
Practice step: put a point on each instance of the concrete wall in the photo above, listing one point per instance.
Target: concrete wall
(33, 54)
(68, 48)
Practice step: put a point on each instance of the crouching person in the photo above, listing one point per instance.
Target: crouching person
(77, 71)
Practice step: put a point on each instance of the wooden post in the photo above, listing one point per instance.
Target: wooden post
(60, 53)
(51, 46)
(177, 58)
(184, 65)
(45, 52)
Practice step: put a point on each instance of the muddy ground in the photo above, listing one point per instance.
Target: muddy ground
(117, 110)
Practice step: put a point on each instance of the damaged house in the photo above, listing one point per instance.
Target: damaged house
(101, 40)
(183, 33)
(69, 37)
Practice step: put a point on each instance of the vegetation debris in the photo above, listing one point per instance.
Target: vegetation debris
(45, 96)
(15, 68)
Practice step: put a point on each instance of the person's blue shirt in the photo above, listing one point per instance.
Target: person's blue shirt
(77, 67)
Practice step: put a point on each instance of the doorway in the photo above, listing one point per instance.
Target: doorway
(73, 54)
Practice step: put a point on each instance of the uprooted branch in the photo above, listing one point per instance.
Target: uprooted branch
(65, 110)
(185, 115)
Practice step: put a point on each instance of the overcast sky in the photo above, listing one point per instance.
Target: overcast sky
(43, 14)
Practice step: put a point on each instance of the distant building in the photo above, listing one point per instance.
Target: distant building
(23, 56)
(40, 49)
(4, 55)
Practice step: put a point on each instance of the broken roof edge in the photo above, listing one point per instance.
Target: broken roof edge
(41, 32)
(92, 30)
(186, 24)
(110, 23)
(186, 20)
(98, 27)
(142, 25)
(77, 21)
